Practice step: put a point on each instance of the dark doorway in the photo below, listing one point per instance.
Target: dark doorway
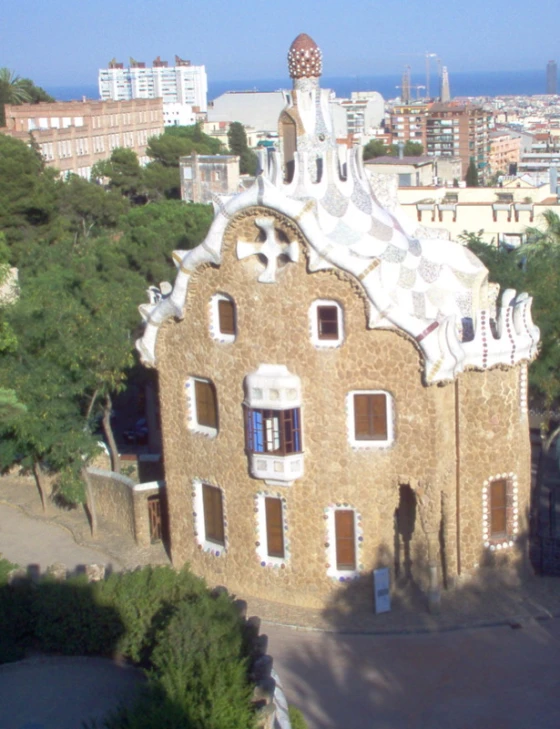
(405, 519)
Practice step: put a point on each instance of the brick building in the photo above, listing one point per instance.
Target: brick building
(338, 391)
(73, 135)
(459, 130)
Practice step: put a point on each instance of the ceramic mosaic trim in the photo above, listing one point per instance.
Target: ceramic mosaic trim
(523, 396)
(211, 548)
(330, 543)
(192, 422)
(512, 513)
(264, 558)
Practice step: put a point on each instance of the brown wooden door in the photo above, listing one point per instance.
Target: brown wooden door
(154, 516)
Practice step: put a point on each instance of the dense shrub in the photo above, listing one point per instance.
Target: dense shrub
(191, 641)
(199, 674)
(144, 601)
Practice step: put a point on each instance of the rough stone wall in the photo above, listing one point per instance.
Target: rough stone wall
(114, 498)
(273, 328)
(494, 440)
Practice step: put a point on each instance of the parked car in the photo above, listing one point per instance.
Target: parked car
(138, 433)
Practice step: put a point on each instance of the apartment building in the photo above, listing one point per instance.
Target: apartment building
(459, 130)
(73, 135)
(505, 152)
(183, 87)
(408, 122)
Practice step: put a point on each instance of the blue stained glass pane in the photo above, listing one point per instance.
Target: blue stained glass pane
(258, 439)
(297, 445)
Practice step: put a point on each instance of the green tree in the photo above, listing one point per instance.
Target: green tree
(413, 149)
(86, 208)
(16, 90)
(471, 178)
(152, 232)
(13, 90)
(375, 148)
(74, 323)
(28, 209)
(123, 171)
(237, 140)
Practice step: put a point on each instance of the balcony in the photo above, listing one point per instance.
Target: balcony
(276, 470)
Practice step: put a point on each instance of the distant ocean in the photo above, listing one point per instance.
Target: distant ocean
(480, 83)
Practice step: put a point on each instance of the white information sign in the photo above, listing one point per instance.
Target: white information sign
(381, 590)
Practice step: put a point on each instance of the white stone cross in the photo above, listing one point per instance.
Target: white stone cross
(271, 249)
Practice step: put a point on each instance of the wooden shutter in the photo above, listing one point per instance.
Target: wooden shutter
(370, 416)
(327, 322)
(206, 410)
(378, 405)
(498, 504)
(213, 514)
(345, 539)
(274, 527)
(226, 315)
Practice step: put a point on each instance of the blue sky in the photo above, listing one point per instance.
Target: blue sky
(64, 42)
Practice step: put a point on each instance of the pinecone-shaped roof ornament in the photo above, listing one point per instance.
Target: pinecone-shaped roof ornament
(305, 59)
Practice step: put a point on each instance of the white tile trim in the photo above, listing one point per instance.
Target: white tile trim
(261, 545)
(217, 550)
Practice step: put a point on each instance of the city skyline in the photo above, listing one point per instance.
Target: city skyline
(63, 42)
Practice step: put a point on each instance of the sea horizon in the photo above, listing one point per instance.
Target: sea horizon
(463, 83)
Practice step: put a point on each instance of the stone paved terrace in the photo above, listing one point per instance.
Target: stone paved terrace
(493, 598)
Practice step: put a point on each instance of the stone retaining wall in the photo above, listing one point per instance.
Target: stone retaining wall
(124, 503)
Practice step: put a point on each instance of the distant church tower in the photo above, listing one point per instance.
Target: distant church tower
(405, 86)
(445, 92)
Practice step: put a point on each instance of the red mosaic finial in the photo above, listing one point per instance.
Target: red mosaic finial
(305, 58)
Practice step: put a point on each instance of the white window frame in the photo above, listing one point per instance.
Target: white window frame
(215, 331)
(350, 421)
(262, 543)
(332, 570)
(314, 324)
(217, 550)
(508, 540)
(192, 421)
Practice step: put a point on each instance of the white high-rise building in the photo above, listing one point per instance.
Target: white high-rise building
(183, 87)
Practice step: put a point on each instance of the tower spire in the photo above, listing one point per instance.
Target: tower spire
(445, 94)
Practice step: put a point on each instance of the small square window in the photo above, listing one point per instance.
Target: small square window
(370, 419)
(370, 416)
(327, 322)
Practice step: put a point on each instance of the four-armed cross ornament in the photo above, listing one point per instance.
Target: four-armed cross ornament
(271, 249)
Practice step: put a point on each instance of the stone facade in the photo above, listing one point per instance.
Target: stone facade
(451, 438)
(416, 327)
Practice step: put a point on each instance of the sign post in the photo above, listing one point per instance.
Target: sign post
(381, 590)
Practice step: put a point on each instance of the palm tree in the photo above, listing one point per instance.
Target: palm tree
(13, 90)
